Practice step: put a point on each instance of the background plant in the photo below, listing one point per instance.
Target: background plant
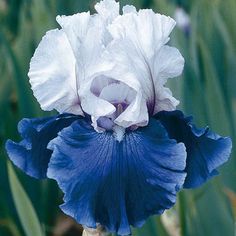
(206, 90)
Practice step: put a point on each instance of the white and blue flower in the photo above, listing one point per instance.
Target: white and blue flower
(119, 149)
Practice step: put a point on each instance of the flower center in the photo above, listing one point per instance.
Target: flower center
(117, 93)
(118, 132)
(107, 122)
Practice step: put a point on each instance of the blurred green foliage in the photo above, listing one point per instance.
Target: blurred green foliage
(207, 90)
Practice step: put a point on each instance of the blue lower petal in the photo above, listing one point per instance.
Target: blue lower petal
(31, 154)
(206, 151)
(116, 184)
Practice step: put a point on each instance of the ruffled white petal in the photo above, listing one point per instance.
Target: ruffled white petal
(118, 93)
(129, 72)
(110, 66)
(130, 66)
(135, 114)
(99, 83)
(94, 66)
(97, 107)
(108, 9)
(131, 69)
(76, 27)
(146, 30)
(90, 61)
(52, 74)
(139, 49)
(85, 34)
(168, 63)
(91, 103)
(164, 100)
(88, 49)
(129, 9)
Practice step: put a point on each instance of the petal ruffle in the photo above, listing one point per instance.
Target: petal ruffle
(31, 154)
(81, 30)
(168, 63)
(206, 150)
(116, 184)
(75, 27)
(108, 9)
(139, 51)
(52, 74)
(129, 9)
(145, 30)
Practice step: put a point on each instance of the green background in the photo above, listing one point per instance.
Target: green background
(207, 90)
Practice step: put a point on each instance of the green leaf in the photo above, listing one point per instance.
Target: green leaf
(11, 226)
(25, 210)
(153, 226)
(22, 85)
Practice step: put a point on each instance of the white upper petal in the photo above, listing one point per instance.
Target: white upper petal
(97, 107)
(118, 93)
(91, 103)
(125, 72)
(85, 34)
(128, 9)
(76, 27)
(164, 100)
(95, 62)
(146, 30)
(99, 83)
(168, 63)
(52, 74)
(135, 114)
(108, 9)
(130, 68)
(88, 49)
(139, 49)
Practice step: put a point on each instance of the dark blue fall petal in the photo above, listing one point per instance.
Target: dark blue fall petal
(113, 183)
(31, 154)
(206, 151)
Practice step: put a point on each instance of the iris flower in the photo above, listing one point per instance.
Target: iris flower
(118, 149)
